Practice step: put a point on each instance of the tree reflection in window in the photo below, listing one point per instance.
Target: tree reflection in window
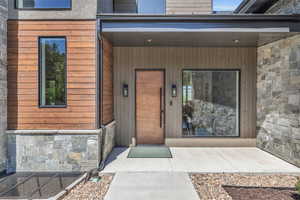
(52, 71)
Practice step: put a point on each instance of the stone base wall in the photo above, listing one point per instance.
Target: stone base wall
(285, 7)
(278, 99)
(59, 150)
(53, 152)
(109, 140)
(3, 83)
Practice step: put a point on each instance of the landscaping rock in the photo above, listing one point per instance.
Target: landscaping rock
(91, 190)
(210, 186)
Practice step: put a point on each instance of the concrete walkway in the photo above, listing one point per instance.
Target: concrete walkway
(202, 160)
(151, 186)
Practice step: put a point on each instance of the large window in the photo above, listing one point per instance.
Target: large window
(52, 57)
(151, 6)
(43, 4)
(210, 103)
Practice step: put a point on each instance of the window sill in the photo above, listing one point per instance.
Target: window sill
(43, 9)
(57, 106)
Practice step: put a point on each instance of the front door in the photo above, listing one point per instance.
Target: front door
(150, 106)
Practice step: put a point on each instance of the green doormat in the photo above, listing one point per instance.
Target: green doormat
(149, 152)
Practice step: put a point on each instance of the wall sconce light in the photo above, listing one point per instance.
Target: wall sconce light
(125, 90)
(174, 90)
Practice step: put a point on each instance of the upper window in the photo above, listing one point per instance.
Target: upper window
(52, 56)
(43, 4)
(136, 6)
(151, 7)
(226, 6)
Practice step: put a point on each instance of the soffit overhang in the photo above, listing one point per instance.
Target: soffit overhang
(201, 30)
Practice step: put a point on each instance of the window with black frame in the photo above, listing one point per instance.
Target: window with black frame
(151, 7)
(137, 6)
(43, 4)
(52, 55)
(210, 103)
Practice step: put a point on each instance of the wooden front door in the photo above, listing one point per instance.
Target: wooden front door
(150, 106)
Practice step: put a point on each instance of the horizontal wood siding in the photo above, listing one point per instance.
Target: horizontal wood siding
(107, 94)
(23, 66)
(189, 6)
(174, 60)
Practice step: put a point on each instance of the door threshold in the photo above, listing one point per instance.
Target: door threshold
(150, 145)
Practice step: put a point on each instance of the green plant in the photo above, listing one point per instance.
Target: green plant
(298, 186)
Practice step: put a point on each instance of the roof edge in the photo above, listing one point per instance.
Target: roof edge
(211, 17)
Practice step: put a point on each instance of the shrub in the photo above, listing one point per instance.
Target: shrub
(298, 186)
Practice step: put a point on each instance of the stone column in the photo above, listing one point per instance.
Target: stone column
(278, 92)
(278, 99)
(3, 82)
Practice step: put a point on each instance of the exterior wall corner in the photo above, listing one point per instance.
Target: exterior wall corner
(3, 82)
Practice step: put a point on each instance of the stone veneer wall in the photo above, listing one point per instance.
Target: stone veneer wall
(278, 99)
(59, 152)
(285, 7)
(3, 83)
(109, 140)
(53, 152)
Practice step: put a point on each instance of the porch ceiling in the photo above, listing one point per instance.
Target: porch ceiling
(195, 31)
(194, 39)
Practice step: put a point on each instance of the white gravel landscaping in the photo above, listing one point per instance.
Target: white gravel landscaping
(90, 190)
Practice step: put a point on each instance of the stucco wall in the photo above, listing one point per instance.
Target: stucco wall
(81, 9)
(285, 7)
(278, 99)
(3, 83)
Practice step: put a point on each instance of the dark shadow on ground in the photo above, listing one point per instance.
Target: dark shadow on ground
(261, 193)
(114, 154)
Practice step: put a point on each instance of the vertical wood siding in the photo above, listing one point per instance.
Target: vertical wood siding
(107, 94)
(174, 60)
(23, 67)
(189, 6)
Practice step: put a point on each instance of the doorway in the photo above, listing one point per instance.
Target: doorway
(150, 106)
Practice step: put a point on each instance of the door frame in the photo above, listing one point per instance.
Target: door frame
(164, 100)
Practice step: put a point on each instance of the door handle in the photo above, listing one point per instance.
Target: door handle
(161, 108)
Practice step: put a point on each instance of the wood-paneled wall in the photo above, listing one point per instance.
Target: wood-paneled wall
(23, 67)
(107, 89)
(189, 6)
(174, 60)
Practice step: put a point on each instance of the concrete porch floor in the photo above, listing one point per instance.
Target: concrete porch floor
(201, 160)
